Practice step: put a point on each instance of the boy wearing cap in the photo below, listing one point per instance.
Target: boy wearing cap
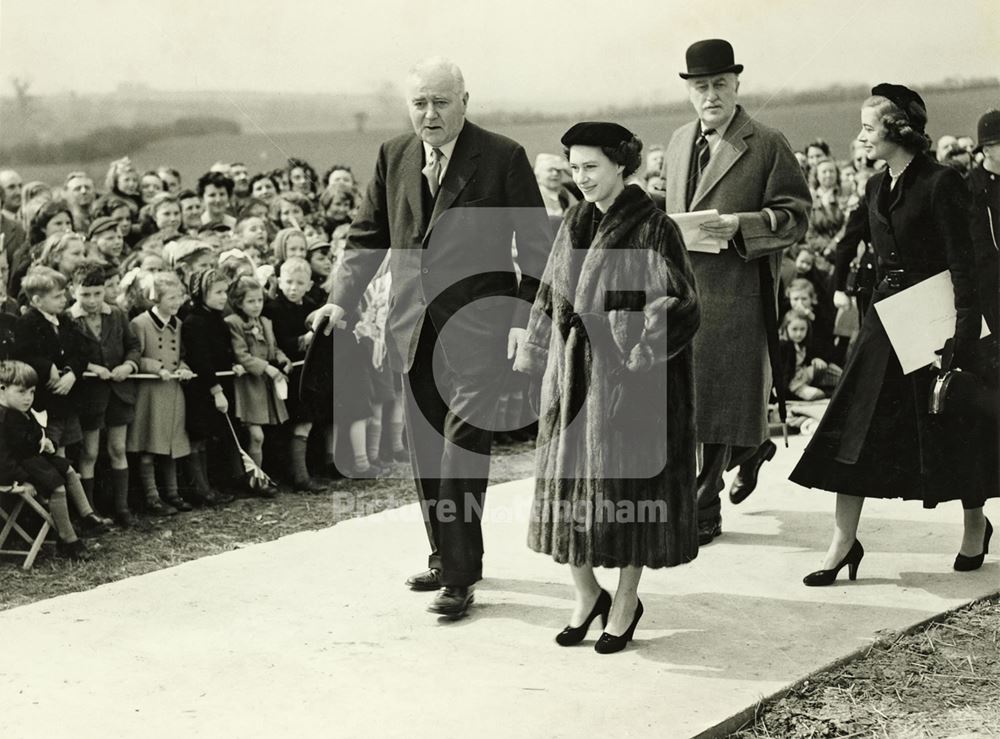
(106, 401)
(105, 241)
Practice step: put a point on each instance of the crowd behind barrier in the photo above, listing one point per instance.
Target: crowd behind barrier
(208, 289)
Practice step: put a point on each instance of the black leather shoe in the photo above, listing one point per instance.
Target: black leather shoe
(746, 477)
(75, 550)
(968, 564)
(827, 577)
(708, 530)
(93, 525)
(426, 580)
(156, 507)
(572, 635)
(452, 601)
(608, 644)
(178, 502)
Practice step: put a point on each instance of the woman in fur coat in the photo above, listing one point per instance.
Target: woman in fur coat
(609, 335)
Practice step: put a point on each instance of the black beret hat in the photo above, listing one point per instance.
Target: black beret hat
(596, 133)
(906, 100)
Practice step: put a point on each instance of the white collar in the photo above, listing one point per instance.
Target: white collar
(445, 149)
(76, 311)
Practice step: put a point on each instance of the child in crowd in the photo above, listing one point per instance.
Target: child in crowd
(46, 342)
(807, 374)
(63, 252)
(802, 298)
(106, 403)
(208, 349)
(259, 400)
(289, 313)
(106, 242)
(289, 242)
(251, 233)
(158, 432)
(318, 256)
(187, 256)
(131, 297)
(27, 456)
(234, 263)
(314, 229)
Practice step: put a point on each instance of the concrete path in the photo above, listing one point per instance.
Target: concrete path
(315, 633)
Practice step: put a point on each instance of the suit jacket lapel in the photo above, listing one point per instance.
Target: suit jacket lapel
(413, 179)
(732, 147)
(460, 169)
(677, 167)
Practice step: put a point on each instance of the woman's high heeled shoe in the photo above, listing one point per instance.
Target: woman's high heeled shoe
(968, 564)
(827, 577)
(608, 644)
(572, 635)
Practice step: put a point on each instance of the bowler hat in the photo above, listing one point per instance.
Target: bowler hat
(988, 130)
(708, 57)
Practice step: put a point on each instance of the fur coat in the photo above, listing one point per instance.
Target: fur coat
(610, 335)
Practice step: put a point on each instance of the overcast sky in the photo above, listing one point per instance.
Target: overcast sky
(534, 52)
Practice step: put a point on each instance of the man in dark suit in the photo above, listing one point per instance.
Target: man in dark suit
(448, 201)
(727, 161)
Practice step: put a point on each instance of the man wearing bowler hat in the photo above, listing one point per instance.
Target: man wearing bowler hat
(729, 162)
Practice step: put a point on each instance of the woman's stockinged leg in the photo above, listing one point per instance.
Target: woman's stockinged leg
(845, 528)
(626, 601)
(974, 532)
(587, 590)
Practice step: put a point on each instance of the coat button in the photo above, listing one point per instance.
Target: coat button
(425, 270)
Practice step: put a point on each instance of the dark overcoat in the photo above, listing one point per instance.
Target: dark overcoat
(451, 251)
(754, 175)
(115, 346)
(611, 329)
(877, 438)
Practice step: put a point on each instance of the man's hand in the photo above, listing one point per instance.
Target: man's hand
(841, 301)
(334, 313)
(724, 227)
(515, 339)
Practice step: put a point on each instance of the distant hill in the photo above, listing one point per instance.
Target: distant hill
(832, 116)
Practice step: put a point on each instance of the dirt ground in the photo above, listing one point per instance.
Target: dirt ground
(941, 681)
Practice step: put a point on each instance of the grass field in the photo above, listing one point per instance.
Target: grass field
(837, 122)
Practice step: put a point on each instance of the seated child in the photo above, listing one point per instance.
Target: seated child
(806, 374)
(27, 456)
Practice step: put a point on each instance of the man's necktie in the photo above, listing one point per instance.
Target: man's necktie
(702, 153)
(432, 171)
(704, 150)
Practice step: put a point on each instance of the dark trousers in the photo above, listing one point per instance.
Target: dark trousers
(716, 459)
(449, 426)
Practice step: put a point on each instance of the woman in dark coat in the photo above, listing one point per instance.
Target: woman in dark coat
(877, 438)
(610, 334)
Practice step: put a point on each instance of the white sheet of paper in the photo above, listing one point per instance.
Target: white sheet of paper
(694, 238)
(920, 319)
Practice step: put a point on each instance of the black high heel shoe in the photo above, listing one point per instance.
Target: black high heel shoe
(827, 577)
(968, 564)
(608, 644)
(572, 635)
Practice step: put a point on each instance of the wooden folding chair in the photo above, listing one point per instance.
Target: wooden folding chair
(11, 525)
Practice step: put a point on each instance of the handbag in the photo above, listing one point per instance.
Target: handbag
(958, 392)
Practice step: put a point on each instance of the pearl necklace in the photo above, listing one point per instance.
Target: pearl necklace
(897, 176)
